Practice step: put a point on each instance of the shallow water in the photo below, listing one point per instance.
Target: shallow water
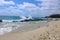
(6, 27)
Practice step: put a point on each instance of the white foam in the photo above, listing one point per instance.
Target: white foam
(7, 20)
(5, 30)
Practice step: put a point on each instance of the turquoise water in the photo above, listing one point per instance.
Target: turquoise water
(9, 17)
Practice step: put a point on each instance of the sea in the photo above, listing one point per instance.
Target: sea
(8, 26)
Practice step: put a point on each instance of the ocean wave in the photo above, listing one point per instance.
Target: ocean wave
(5, 30)
(7, 20)
(8, 27)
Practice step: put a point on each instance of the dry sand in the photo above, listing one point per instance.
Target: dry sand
(50, 32)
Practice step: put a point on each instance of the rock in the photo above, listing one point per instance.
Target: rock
(0, 20)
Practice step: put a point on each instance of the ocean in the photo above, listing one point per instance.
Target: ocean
(9, 17)
(7, 25)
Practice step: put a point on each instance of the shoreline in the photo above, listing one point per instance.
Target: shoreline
(20, 26)
(50, 32)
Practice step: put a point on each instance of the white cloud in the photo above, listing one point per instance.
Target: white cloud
(13, 11)
(49, 4)
(2, 2)
(27, 9)
(45, 10)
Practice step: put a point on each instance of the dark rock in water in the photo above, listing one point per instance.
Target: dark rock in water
(26, 20)
(0, 20)
(15, 21)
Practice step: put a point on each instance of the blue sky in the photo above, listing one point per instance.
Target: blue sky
(35, 8)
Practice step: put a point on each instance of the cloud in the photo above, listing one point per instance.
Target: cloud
(49, 4)
(3, 2)
(10, 11)
(22, 9)
(27, 9)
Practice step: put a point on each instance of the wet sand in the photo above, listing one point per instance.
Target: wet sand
(31, 26)
(49, 32)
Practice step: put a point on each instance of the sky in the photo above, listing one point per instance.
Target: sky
(35, 8)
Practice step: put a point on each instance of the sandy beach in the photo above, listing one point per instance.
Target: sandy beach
(49, 32)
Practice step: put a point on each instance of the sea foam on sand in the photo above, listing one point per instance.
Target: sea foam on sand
(5, 30)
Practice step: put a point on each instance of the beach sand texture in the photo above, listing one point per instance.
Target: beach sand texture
(50, 32)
